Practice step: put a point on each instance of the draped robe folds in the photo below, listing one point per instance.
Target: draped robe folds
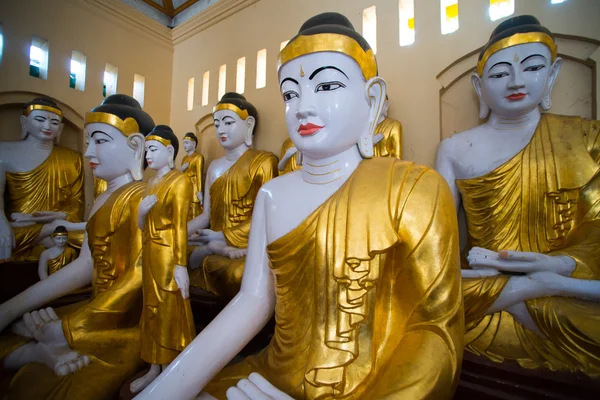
(292, 163)
(106, 327)
(195, 173)
(232, 198)
(55, 185)
(368, 296)
(54, 264)
(391, 144)
(167, 324)
(546, 199)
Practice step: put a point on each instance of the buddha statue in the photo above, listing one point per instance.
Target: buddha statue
(529, 185)
(167, 324)
(41, 184)
(54, 258)
(362, 272)
(289, 160)
(232, 184)
(192, 165)
(87, 350)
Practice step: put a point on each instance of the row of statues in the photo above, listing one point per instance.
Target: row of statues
(354, 251)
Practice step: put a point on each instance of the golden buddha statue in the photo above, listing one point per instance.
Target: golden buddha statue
(54, 258)
(288, 161)
(362, 272)
(529, 184)
(390, 144)
(42, 184)
(167, 324)
(87, 350)
(100, 187)
(232, 183)
(192, 165)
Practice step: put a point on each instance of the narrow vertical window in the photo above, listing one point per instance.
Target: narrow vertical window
(369, 27)
(1, 44)
(283, 44)
(190, 94)
(222, 80)
(77, 75)
(240, 76)
(449, 14)
(138, 88)
(407, 22)
(111, 75)
(261, 69)
(501, 8)
(205, 83)
(557, 1)
(38, 58)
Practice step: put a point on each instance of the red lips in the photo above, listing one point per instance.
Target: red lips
(93, 165)
(308, 129)
(516, 96)
(47, 133)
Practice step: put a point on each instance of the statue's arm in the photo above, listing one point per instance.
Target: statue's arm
(73, 276)
(231, 330)
(7, 238)
(43, 265)
(445, 167)
(202, 221)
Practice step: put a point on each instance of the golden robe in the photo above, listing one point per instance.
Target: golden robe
(65, 258)
(167, 324)
(368, 299)
(546, 199)
(55, 185)
(391, 144)
(195, 172)
(232, 198)
(106, 327)
(292, 163)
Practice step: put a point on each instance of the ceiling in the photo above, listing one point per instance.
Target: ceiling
(170, 12)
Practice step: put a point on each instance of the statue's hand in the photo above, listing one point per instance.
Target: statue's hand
(183, 280)
(45, 217)
(184, 167)
(255, 388)
(7, 239)
(208, 235)
(520, 261)
(46, 327)
(146, 205)
(200, 196)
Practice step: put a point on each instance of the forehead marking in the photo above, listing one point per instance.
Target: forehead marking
(516, 57)
(301, 71)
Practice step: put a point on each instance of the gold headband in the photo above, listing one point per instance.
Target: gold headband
(514, 40)
(59, 234)
(127, 127)
(243, 114)
(165, 142)
(303, 45)
(40, 107)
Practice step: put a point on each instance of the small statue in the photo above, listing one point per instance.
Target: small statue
(529, 184)
(167, 324)
(358, 258)
(232, 184)
(41, 182)
(193, 166)
(88, 350)
(54, 258)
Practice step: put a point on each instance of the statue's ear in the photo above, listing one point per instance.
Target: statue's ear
(136, 142)
(60, 130)
(250, 124)
(554, 70)
(171, 151)
(375, 91)
(23, 127)
(484, 109)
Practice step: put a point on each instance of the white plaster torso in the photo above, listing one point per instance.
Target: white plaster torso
(23, 156)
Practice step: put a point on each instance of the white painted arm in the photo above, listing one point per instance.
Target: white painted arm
(202, 221)
(444, 165)
(73, 276)
(230, 331)
(7, 238)
(43, 265)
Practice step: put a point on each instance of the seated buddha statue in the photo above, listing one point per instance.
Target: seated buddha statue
(41, 184)
(87, 350)
(192, 165)
(362, 272)
(232, 184)
(529, 185)
(54, 258)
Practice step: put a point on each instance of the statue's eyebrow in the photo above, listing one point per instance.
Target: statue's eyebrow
(533, 55)
(316, 71)
(93, 133)
(288, 79)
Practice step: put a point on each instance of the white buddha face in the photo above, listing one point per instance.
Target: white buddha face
(108, 151)
(326, 108)
(232, 131)
(189, 145)
(60, 241)
(43, 125)
(516, 79)
(158, 155)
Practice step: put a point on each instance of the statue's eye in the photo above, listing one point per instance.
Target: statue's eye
(498, 75)
(535, 67)
(290, 94)
(329, 86)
